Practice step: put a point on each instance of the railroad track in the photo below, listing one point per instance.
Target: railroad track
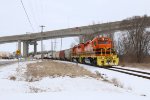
(141, 74)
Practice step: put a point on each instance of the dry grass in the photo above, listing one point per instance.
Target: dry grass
(35, 71)
(113, 81)
(36, 90)
(117, 83)
(12, 78)
(132, 62)
(102, 76)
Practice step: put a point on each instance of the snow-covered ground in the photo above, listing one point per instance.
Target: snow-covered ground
(135, 84)
(66, 88)
(8, 60)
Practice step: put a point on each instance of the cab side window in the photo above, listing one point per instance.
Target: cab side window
(94, 43)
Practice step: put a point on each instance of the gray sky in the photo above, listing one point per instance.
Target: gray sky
(59, 14)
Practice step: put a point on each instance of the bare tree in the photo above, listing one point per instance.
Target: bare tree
(136, 43)
(120, 47)
(76, 41)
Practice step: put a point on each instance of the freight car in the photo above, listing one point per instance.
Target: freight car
(68, 54)
(6, 55)
(62, 55)
(57, 56)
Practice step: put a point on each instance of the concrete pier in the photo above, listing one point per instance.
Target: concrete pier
(19, 45)
(35, 47)
(25, 48)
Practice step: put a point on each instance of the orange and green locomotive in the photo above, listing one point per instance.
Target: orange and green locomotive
(99, 51)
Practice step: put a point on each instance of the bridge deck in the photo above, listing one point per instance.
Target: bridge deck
(77, 31)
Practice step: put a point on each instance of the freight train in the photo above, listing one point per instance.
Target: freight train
(6, 55)
(99, 51)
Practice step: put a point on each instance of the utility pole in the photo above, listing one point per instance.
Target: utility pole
(61, 44)
(52, 47)
(42, 27)
(55, 45)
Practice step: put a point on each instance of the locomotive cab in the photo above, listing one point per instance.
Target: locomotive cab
(99, 43)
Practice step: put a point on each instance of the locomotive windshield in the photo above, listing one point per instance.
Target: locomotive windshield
(102, 42)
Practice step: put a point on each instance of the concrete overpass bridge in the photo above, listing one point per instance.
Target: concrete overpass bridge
(70, 32)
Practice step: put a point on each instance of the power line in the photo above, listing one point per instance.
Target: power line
(27, 15)
(31, 6)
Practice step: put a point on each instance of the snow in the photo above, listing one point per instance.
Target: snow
(66, 88)
(136, 84)
(72, 96)
(8, 60)
(137, 69)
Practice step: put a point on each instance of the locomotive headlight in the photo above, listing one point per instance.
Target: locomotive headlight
(102, 58)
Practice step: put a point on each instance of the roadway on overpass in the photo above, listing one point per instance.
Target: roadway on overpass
(32, 38)
(70, 32)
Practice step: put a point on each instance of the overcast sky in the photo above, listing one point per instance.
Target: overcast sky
(59, 14)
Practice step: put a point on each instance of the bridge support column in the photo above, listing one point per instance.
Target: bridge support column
(35, 47)
(19, 45)
(25, 48)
